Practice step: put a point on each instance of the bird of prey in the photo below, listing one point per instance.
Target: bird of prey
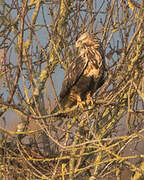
(85, 74)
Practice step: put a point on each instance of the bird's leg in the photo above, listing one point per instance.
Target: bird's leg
(89, 100)
(80, 103)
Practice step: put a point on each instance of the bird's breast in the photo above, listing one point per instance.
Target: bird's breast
(91, 70)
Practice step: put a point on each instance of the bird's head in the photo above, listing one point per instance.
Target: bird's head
(85, 39)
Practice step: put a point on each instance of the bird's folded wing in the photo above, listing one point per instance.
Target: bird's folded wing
(73, 75)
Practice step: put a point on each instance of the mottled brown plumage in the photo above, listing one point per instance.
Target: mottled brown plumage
(85, 74)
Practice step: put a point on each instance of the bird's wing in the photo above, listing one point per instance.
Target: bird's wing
(75, 71)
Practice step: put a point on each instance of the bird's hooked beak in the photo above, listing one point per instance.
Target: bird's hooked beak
(78, 44)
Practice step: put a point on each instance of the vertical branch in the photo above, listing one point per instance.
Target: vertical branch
(20, 46)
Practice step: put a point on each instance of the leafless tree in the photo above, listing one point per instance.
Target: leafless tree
(37, 44)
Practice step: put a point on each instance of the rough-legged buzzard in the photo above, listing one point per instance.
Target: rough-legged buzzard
(85, 74)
